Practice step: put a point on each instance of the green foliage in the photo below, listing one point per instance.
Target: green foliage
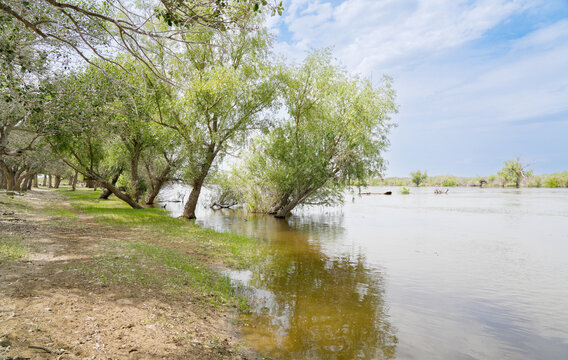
(418, 177)
(515, 172)
(335, 132)
(404, 191)
(450, 181)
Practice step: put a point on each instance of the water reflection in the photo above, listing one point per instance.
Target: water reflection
(474, 274)
(312, 306)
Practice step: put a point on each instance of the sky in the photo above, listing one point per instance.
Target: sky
(478, 81)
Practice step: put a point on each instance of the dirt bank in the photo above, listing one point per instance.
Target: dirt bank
(58, 301)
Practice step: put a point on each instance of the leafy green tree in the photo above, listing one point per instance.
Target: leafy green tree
(418, 177)
(96, 29)
(231, 84)
(515, 172)
(78, 117)
(335, 132)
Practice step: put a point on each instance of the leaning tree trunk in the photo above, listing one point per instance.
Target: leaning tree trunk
(106, 192)
(280, 203)
(286, 209)
(119, 194)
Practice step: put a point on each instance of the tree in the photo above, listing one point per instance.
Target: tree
(97, 29)
(78, 116)
(231, 85)
(335, 132)
(515, 172)
(418, 177)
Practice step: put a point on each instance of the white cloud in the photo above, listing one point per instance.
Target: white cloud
(453, 79)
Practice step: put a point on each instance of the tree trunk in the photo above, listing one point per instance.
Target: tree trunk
(57, 181)
(285, 210)
(156, 185)
(106, 192)
(29, 181)
(49, 181)
(9, 175)
(35, 181)
(134, 182)
(74, 183)
(44, 180)
(279, 204)
(191, 204)
(119, 194)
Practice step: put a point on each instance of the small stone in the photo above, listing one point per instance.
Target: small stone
(4, 342)
(47, 309)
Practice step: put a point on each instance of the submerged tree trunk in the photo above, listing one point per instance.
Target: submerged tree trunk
(286, 209)
(280, 203)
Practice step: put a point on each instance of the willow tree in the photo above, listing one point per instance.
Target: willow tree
(335, 132)
(229, 86)
(99, 29)
(515, 172)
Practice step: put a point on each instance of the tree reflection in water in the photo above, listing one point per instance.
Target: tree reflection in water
(312, 306)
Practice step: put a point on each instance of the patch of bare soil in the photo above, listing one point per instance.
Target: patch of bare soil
(50, 310)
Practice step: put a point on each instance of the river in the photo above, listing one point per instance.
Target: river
(472, 274)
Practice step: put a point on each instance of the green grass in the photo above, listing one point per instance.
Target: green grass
(234, 250)
(166, 253)
(11, 249)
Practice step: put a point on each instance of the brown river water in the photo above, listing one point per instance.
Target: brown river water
(472, 274)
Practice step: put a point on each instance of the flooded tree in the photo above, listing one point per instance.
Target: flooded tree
(334, 133)
(418, 177)
(515, 171)
(231, 83)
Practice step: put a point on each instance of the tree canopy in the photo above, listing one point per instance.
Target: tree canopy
(131, 95)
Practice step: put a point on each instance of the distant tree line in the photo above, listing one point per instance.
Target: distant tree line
(513, 174)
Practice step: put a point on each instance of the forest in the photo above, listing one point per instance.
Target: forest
(126, 97)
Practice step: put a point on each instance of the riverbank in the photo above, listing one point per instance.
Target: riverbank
(83, 278)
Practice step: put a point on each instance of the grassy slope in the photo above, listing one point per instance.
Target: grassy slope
(172, 252)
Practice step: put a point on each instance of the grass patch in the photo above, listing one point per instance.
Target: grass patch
(172, 271)
(234, 250)
(11, 249)
(163, 255)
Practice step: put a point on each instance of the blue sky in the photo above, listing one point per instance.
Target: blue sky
(478, 81)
